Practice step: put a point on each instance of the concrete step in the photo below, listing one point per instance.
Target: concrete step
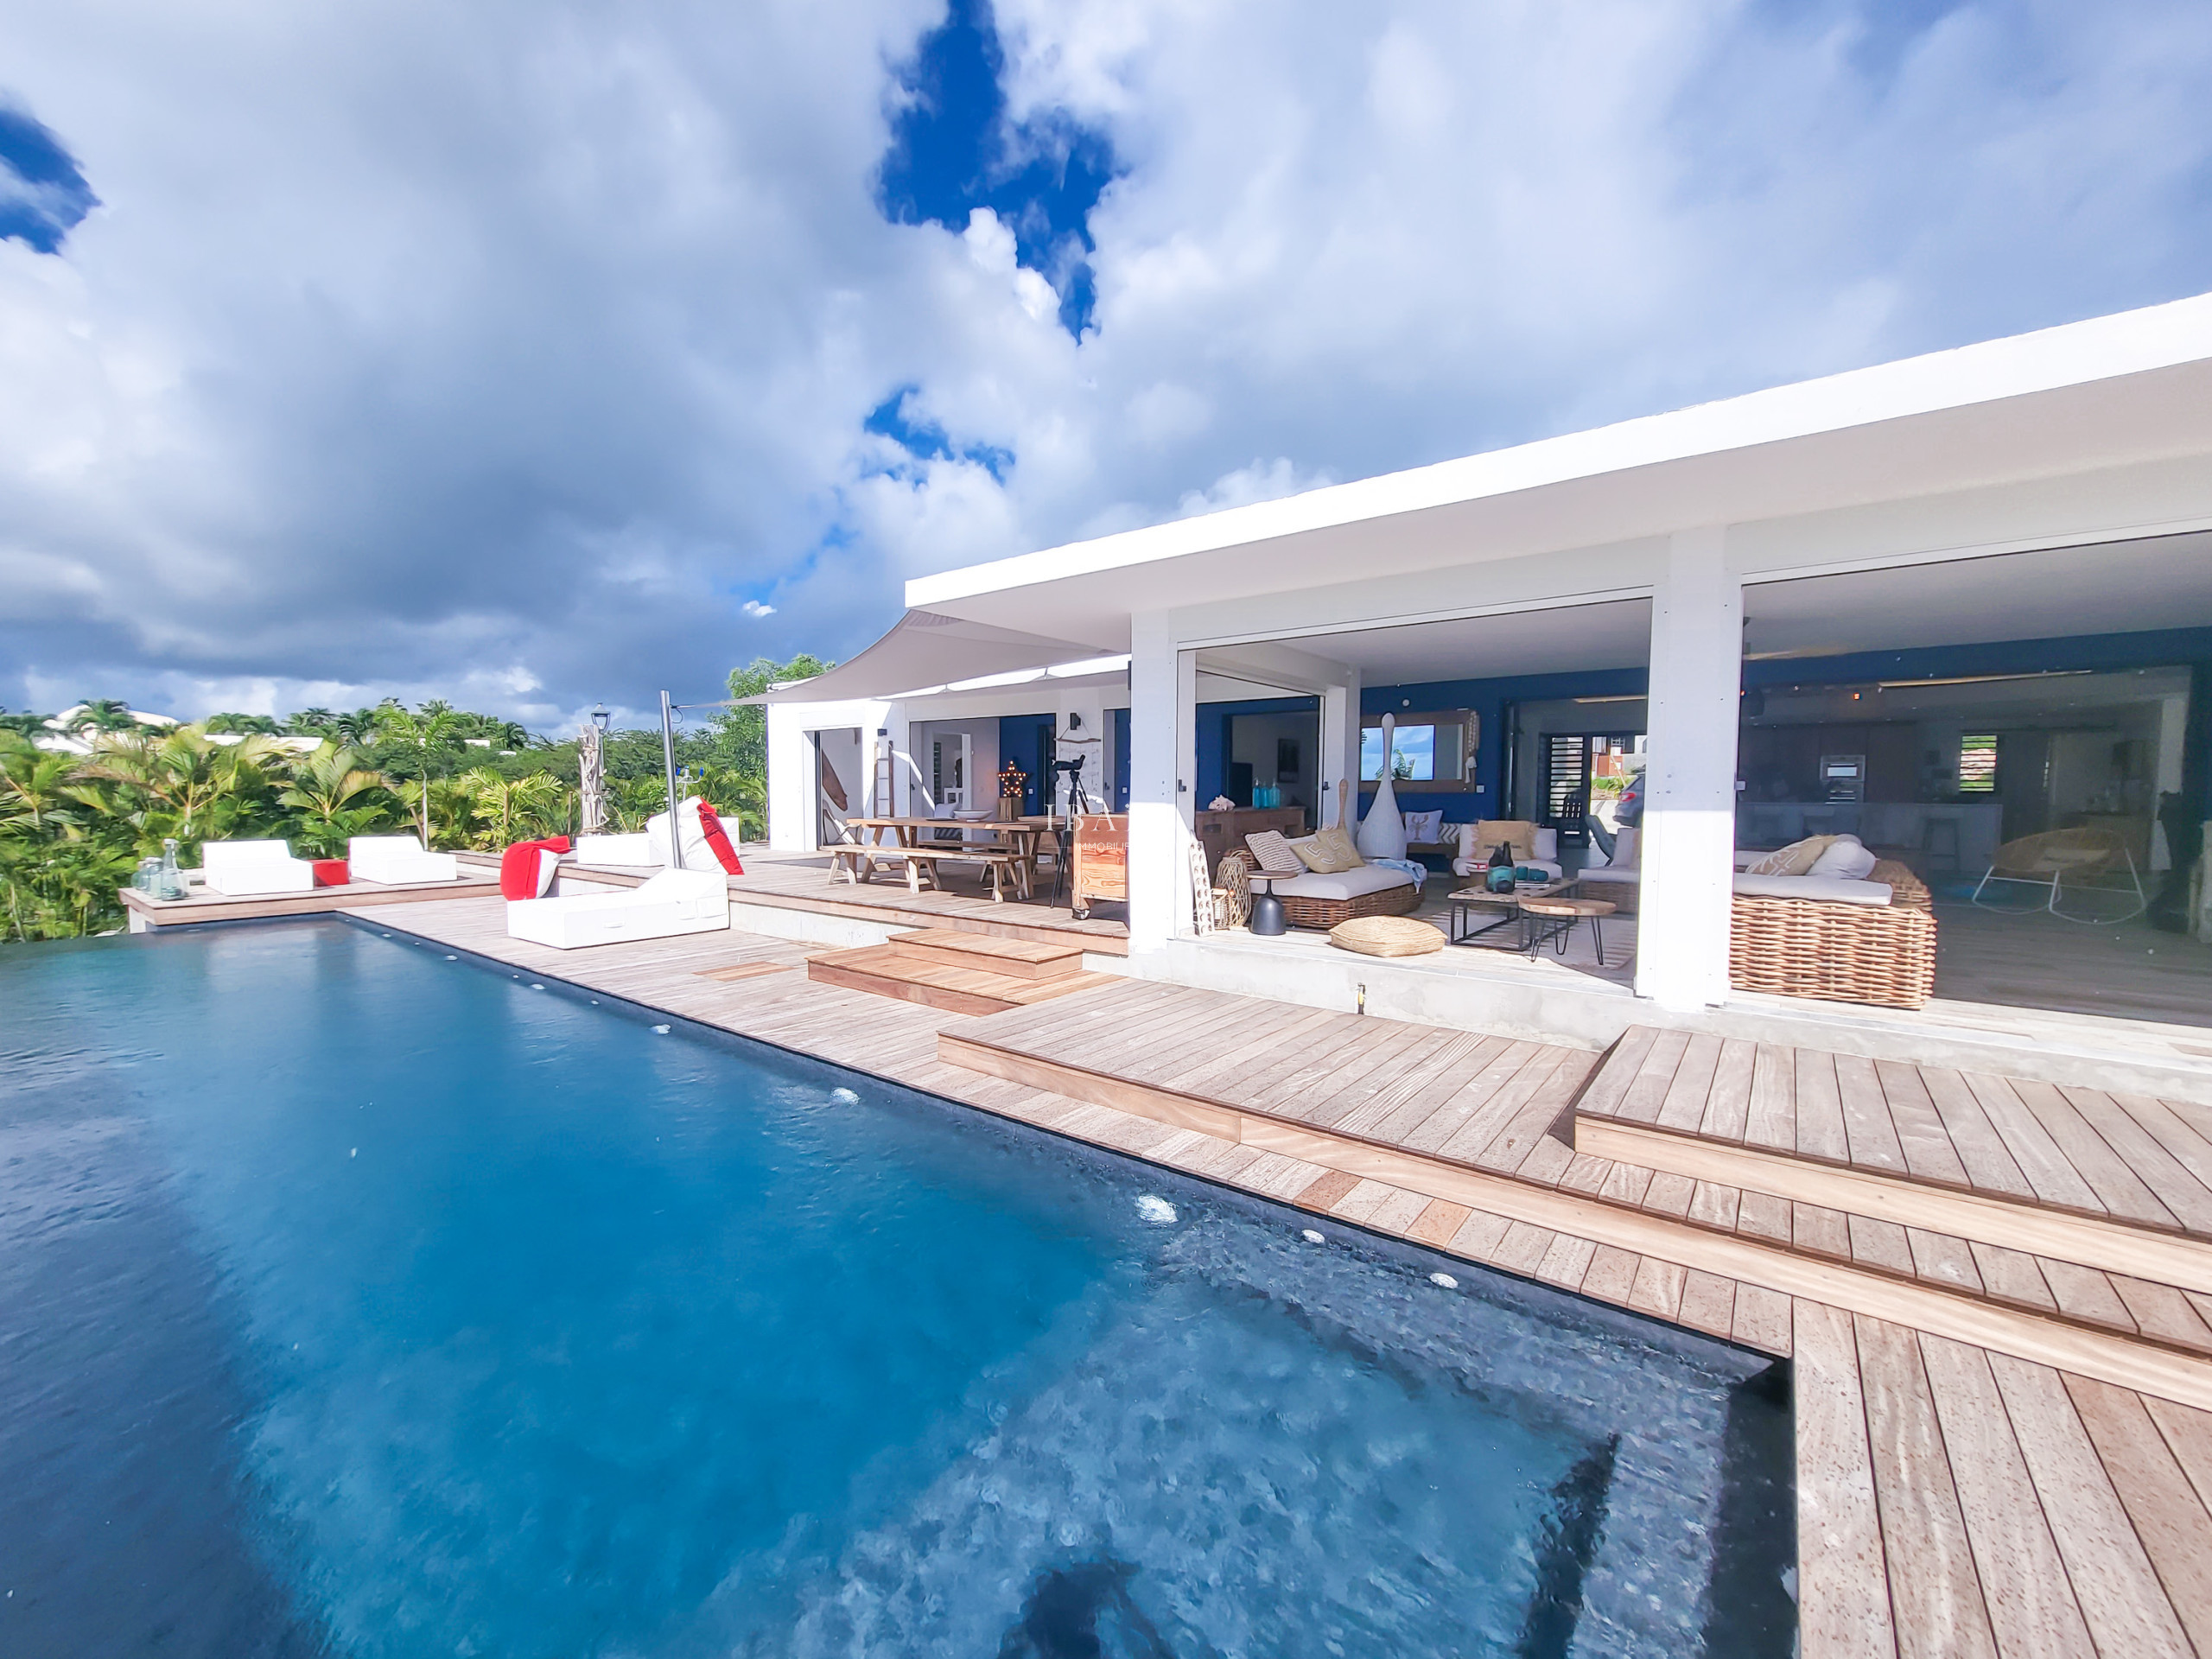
(1013, 958)
(884, 971)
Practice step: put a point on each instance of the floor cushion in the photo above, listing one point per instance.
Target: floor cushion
(1827, 889)
(1386, 936)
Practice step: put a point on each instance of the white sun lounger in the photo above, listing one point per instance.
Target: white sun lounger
(673, 902)
(239, 869)
(395, 859)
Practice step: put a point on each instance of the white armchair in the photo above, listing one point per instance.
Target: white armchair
(241, 869)
(1472, 856)
(392, 860)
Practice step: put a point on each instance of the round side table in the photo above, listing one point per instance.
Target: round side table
(1561, 914)
(1268, 919)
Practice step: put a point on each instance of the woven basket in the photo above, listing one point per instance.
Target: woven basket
(1879, 954)
(1232, 892)
(1326, 913)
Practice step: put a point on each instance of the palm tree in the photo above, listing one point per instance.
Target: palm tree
(358, 727)
(433, 730)
(535, 802)
(179, 777)
(311, 723)
(327, 788)
(103, 715)
(34, 799)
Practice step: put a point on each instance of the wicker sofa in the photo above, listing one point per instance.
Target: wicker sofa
(1878, 954)
(1310, 910)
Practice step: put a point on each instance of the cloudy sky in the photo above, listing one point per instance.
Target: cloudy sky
(532, 352)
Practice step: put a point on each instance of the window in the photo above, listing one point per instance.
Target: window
(1978, 765)
(1421, 752)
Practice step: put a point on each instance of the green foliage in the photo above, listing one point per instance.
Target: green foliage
(73, 826)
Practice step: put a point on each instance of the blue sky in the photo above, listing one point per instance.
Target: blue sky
(539, 352)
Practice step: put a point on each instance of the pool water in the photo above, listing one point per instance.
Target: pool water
(361, 1300)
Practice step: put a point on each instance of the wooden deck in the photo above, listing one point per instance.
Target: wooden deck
(1999, 1450)
(203, 906)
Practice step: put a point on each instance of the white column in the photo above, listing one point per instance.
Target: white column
(1163, 695)
(1688, 837)
(904, 799)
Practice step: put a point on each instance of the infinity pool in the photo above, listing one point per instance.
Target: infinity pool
(357, 1300)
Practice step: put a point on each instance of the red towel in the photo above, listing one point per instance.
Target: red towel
(519, 871)
(718, 841)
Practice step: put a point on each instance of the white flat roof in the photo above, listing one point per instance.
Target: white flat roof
(2111, 391)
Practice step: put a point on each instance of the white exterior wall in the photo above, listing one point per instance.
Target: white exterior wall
(1163, 695)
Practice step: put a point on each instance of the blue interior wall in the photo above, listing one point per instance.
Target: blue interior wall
(1121, 802)
(1212, 734)
(2152, 648)
(1018, 743)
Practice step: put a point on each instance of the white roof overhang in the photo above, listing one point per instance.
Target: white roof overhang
(2108, 392)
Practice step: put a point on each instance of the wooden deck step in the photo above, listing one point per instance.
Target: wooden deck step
(2075, 1175)
(1483, 1122)
(887, 972)
(1013, 958)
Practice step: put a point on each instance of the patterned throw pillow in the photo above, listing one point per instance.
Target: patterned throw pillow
(1337, 843)
(1272, 847)
(1797, 859)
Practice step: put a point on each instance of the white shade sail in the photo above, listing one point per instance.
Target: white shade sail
(926, 651)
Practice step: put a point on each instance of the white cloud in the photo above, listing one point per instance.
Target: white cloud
(413, 339)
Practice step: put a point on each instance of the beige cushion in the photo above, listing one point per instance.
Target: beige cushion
(1272, 848)
(1828, 889)
(1519, 831)
(1328, 853)
(1386, 936)
(1844, 859)
(1797, 859)
(1345, 883)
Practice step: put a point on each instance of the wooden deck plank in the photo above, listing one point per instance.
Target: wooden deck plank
(1843, 1604)
(2051, 1174)
(1929, 1154)
(2168, 1181)
(1610, 1082)
(1683, 1106)
(2112, 1578)
(2118, 1188)
(1989, 1163)
(1771, 1120)
(2025, 1591)
(1647, 1091)
(2169, 1517)
(1934, 1588)
(1820, 1132)
(1728, 1103)
(1868, 1129)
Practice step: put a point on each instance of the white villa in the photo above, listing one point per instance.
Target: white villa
(1949, 604)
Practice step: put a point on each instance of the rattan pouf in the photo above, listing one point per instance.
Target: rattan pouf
(1386, 936)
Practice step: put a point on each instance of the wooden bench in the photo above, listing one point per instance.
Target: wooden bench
(855, 863)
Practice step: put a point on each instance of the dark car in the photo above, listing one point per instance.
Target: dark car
(1629, 812)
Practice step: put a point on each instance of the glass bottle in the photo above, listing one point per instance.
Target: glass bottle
(171, 879)
(148, 876)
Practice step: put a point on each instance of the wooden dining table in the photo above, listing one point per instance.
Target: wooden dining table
(1020, 836)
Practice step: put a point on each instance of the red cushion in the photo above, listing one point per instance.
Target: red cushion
(331, 872)
(518, 865)
(718, 841)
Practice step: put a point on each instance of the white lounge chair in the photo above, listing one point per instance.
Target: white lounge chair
(396, 859)
(673, 902)
(242, 869)
(625, 851)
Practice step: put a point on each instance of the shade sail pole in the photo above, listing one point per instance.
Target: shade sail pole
(668, 765)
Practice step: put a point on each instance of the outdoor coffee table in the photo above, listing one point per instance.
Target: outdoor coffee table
(1467, 900)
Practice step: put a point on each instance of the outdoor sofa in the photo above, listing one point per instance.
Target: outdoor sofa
(243, 869)
(396, 859)
(665, 905)
(1321, 899)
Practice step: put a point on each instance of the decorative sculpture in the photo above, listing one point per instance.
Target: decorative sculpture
(1382, 831)
(592, 765)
